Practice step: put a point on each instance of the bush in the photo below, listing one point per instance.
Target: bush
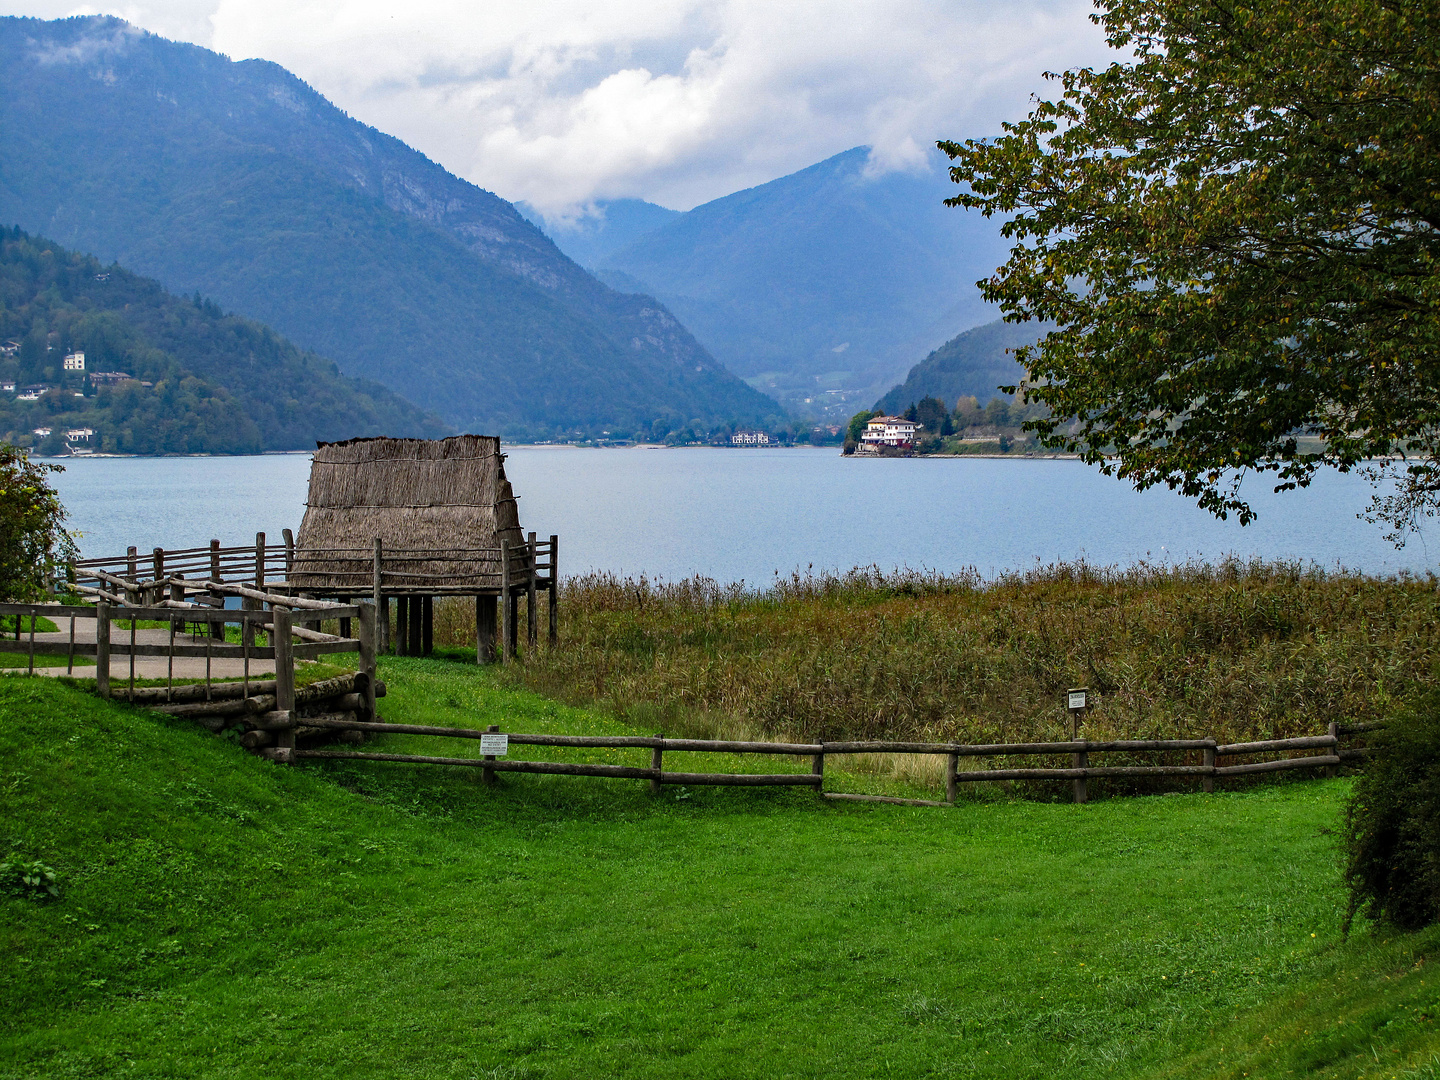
(33, 880)
(1393, 822)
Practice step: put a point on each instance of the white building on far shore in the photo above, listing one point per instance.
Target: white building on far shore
(750, 438)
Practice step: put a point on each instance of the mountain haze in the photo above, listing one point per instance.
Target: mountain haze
(238, 180)
(829, 279)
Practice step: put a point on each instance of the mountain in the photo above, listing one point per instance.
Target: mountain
(819, 287)
(609, 226)
(203, 381)
(238, 180)
(972, 364)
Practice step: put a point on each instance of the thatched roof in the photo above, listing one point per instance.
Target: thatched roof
(448, 497)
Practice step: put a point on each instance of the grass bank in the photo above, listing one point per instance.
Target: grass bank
(1237, 651)
(222, 916)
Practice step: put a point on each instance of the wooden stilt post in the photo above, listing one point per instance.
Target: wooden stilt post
(402, 625)
(382, 606)
(417, 608)
(515, 624)
(554, 597)
(427, 625)
(532, 613)
(367, 627)
(284, 672)
(484, 629)
(102, 648)
(507, 615)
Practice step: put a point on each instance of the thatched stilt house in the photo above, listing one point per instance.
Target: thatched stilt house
(414, 519)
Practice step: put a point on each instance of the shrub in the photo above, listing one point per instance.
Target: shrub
(33, 880)
(1393, 822)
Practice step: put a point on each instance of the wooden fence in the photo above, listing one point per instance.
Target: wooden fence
(195, 631)
(412, 576)
(1080, 771)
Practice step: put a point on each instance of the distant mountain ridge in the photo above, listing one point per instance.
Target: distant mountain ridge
(973, 364)
(217, 383)
(821, 285)
(240, 181)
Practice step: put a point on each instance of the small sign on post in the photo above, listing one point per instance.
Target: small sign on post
(1077, 699)
(494, 744)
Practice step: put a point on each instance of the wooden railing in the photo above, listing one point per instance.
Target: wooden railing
(273, 615)
(1078, 773)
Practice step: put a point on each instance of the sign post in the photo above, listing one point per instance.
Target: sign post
(1077, 700)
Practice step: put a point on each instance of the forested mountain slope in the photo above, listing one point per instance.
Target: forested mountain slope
(829, 279)
(240, 181)
(973, 364)
(219, 383)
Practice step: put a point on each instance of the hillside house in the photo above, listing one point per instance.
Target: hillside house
(7, 386)
(889, 431)
(79, 434)
(109, 378)
(42, 432)
(9, 348)
(74, 361)
(31, 393)
(750, 438)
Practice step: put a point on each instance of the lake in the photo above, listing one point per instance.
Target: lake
(747, 514)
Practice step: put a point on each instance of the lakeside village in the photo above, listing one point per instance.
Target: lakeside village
(927, 428)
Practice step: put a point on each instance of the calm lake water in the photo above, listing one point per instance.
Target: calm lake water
(746, 514)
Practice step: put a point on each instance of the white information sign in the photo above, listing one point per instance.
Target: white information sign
(1077, 699)
(497, 743)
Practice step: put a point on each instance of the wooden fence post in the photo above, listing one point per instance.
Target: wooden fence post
(102, 648)
(367, 627)
(487, 774)
(214, 560)
(1331, 771)
(817, 768)
(952, 778)
(284, 672)
(157, 564)
(484, 629)
(657, 761)
(382, 605)
(554, 596)
(289, 553)
(1209, 759)
(247, 628)
(1082, 761)
(507, 616)
(532, 613)
(260, 560)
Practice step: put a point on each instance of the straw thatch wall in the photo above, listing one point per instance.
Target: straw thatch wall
(446, 496)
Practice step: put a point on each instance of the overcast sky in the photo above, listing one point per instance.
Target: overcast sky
(559, 102)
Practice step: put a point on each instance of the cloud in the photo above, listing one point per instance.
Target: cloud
(677, 101)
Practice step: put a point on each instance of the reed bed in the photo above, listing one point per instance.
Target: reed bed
(1236, 650)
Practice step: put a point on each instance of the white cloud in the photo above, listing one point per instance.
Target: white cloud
(677, 101)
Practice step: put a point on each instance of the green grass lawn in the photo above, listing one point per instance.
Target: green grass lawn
(226, 917)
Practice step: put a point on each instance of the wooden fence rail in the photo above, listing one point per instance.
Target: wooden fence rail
(817, 752)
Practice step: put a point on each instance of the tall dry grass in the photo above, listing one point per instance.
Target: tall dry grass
(1234, 650)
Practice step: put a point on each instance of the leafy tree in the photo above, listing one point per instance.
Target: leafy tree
(1237, 235)
(932, 414)
(33, 540)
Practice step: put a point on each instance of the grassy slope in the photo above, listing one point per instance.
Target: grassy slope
(227, 917)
